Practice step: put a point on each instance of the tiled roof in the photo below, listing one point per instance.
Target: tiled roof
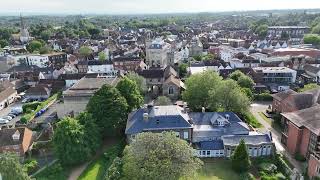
(233, 140)
(283, 95)
(159, 118)
(210, 145)
(6, 136)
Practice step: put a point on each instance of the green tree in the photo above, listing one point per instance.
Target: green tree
(85, 51)
(46, 34)
(240, 158)
(247, 92)
(159, 156)
(91, 130)
(229, 97)
(102, 56)
(129, 90)
(115, 170)
(316, 29)
(262, 30)
(313, 39)
(10, 168)
(183, 69)
(198, 87)
(70, 142)
(162, 101)
(34, 45)
(45, 50)
(3, 43)
(109, 109)
(236, 75)
(140, 81)
(245, 82)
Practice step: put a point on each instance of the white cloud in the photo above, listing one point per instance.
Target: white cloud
(148, 6)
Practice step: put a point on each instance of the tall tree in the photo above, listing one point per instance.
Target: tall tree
(91, 130)
(3, 43)
(245, 82)
(159, 156)
(129, 90)
(313, 39)
(140, 81)
(109, 109)
(85, 51)
(34, 45)
(10, 168)
(240, 158)
(102, 56)
(229, 97)
(70, 142)
(198, 87)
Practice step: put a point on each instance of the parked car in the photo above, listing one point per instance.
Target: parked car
(16, 110)
(25, 100)
(9, 118)
(12, 115)
(3, 121)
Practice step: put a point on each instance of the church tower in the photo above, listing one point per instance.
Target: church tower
(24, 34)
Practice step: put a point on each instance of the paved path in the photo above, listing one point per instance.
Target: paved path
(257, 107)
(77, 171)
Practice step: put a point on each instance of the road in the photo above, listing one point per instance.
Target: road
(257, 107)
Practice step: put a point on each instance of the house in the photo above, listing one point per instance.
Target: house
(38, 92)
(290, 101)
(105, 68)
(301, 136)
(157, 53)
(129, 64)
(312, 73)
(291, 31)
(278, 78)
(163, 81)
(76, 98)
(213, 134)
(196, 47)
(7, 94)
(15, 140)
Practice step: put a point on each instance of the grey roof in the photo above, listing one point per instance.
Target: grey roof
(203, 127)
(309, 118)
(210, 145)
(283, 95)
(159, 118)
(312, 69)
(232, 140)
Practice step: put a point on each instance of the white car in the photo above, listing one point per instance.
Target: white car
(3, 121)
(7, 118)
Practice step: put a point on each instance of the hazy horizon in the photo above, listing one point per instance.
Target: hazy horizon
(43, 7)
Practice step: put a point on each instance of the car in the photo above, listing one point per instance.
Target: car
(3, 121)
(9, 118)
(12, 115)
(25, 100)
(16, 110)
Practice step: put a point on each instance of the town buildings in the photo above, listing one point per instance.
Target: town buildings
(213, 134)
(157, 53)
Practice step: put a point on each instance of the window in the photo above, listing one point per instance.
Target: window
(203, 152)
(178, 134)
(185, 135)
(171, 91)
(208, 153)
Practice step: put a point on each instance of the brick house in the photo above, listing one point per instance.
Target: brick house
(289, 101)
(16, 140)
(301, 135)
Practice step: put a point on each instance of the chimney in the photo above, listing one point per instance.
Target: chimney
(145, 117)
(227, 116)
(203, 110)
(16, 136)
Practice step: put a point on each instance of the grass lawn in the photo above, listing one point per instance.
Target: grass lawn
(54, 172)
(217, 169)
(95, 170)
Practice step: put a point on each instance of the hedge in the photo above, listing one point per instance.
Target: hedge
(263, 97)
(30, 106)
(249, 118)
(29, 116)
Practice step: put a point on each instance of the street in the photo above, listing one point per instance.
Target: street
(257, 107)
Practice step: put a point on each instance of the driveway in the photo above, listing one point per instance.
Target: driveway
(257, 107)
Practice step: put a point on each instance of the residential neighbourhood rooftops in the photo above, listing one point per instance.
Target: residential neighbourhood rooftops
(309, 118)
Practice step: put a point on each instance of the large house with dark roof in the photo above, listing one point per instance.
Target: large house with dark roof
(213, 134)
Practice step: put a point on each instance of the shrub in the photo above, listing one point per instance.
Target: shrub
(114, 171)
(299, 157)
(249, 118)
(28, 107)
(263, 97)
(268, 168)
(30, 166)
(280, 176)
(282, 165)
(246, 176)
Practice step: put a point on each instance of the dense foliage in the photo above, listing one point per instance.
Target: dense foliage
(10, 167)
(240, 158)
(159, 156)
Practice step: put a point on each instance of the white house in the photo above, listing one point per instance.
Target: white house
(38, 60)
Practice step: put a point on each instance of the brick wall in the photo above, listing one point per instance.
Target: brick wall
(304, 143)
(313, 163)
(294, 137)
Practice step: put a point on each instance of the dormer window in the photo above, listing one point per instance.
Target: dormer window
(16, 136)
(157, 121)
(220, 123)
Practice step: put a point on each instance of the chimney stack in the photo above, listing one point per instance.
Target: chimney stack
(203, 110)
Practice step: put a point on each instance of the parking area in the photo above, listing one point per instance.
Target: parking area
(4, 112)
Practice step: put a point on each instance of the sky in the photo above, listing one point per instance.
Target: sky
(147, 6)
